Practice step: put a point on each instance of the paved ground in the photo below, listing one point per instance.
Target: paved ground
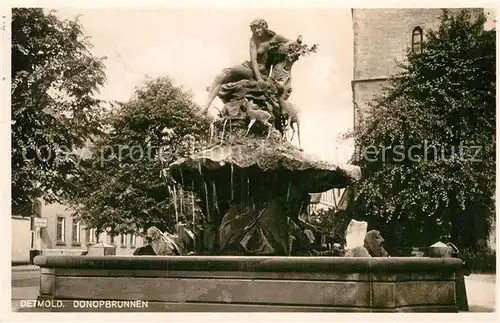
(25, 284)
(481, 290)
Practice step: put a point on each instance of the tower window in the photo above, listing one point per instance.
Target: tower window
(416, 40)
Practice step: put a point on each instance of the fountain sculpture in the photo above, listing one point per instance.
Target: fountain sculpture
(253, 184)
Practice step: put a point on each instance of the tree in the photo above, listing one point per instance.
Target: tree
(55, 112)
(123, 186)
(426, 145)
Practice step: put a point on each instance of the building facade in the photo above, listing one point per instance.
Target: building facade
(21, 239)
(325, 200)
(57, 232)
(381, 38)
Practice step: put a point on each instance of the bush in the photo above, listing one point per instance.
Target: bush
(482, 261)
(332, 223)
(442, 97)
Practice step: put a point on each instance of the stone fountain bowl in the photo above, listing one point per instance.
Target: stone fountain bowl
(252, 192)
(268, 156)
(247, 284)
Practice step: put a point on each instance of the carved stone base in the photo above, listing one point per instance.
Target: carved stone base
(274, 284)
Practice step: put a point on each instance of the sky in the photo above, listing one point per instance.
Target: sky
(192, 45)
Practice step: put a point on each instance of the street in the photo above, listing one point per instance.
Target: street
(480, 288)
(25, 284)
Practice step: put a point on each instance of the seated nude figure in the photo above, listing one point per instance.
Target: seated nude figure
(255, 68)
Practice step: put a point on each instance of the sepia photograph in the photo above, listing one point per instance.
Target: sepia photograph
(252, 159)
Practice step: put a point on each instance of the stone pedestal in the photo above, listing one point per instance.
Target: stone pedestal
(355, 234)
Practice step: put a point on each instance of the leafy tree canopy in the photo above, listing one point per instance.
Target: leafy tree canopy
(55, 79)
(426, 145)
(123, 187)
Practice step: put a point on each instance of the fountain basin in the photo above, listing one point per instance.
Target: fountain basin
(242, 283)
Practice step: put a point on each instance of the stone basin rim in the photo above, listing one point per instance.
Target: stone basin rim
(255, 263)
(220, 156)
(320, 166)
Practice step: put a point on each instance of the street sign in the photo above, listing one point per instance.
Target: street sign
(41, 222)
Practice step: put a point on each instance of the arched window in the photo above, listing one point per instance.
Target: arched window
(416, 39)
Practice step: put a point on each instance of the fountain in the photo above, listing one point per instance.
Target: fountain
(254, 185)
(252, 194)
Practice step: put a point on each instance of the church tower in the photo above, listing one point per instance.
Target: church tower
(381, 37)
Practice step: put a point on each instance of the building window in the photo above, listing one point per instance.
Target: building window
(416, 40)
(92, 235)
(60, 228)
(111, 239)
(87, 235)
(132, 240)
(75, 232)
(123, 240)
